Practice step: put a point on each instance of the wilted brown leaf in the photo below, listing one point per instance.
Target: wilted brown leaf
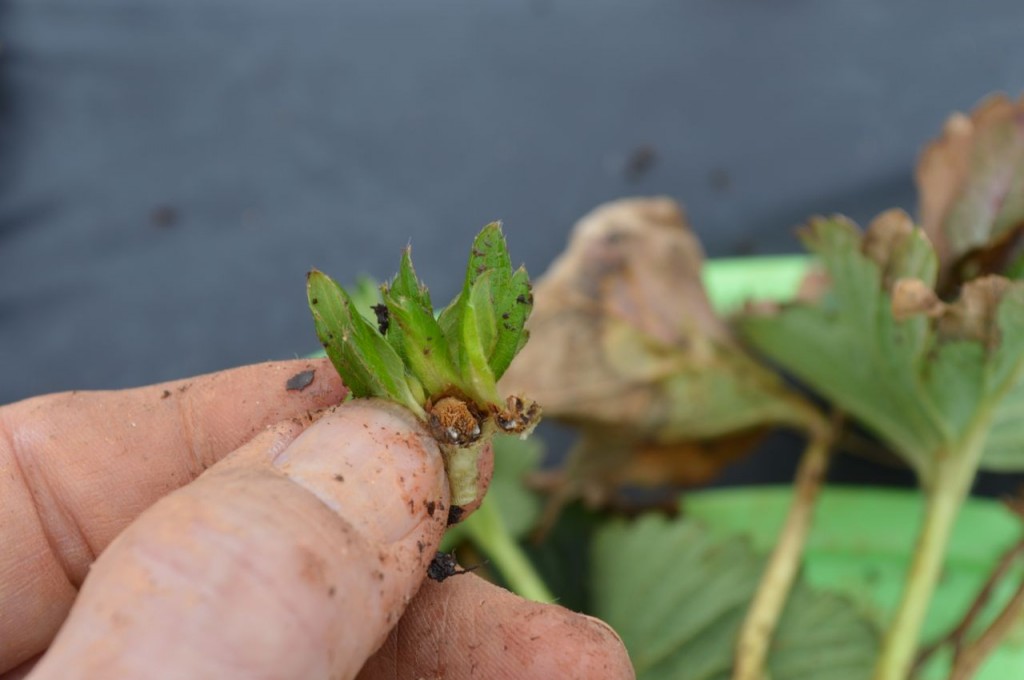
(886, 242)
(971, 186)
(913, 296)
(974, 314)
(624, 344)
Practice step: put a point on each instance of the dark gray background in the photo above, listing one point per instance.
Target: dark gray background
(170, 169)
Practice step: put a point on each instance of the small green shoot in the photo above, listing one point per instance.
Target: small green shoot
(444, 368)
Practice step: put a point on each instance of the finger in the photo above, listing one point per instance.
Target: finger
(20, 671)
(291, 559)
(76, 468)
(466, 627)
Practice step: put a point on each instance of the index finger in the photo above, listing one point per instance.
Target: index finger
(77, 467)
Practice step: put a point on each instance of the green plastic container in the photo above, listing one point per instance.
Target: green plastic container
(861, 544)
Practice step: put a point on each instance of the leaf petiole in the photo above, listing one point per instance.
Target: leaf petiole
(945, 495)
(487, 529)
(779, 575)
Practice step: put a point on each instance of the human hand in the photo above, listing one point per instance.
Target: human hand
(238, 538)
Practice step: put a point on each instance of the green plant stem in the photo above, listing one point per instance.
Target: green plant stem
(763, 616)
(488, 531)
(946, 494)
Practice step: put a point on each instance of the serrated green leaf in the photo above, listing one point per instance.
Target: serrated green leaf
(677, 597)
(481, 297)
(501, 306)
(474, 371)
(816, 343)
(1003, 449)
(407, 284)
(447, 356)
(921, 388)
(511, 311)
(489, 254)
(419, 339)
(368, 365)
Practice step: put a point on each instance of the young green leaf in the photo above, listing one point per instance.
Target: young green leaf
(439, 368)
(488, 254)
(420, 340)
(501, 298)
(511, 310)
(406, 284)
(477, 378)
(481, 297)
(677, 598)
(369, 366)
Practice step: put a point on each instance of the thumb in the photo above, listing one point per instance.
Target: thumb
(291, 558)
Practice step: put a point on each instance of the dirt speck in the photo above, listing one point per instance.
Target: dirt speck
(339, 477)
(166, 394)
(313, 569)
(164, 217)
(300, 381)
(640, 161)
(430, 508)
(383, 318)
(720, 180)
(454, 514)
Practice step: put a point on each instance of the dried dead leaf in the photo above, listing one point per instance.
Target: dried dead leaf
(813, 286)
(624, 344)
(885, 242)
(971, 186)
(974, 315)
(911, 297)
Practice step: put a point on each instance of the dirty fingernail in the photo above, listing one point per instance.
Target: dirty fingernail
(603, 626)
